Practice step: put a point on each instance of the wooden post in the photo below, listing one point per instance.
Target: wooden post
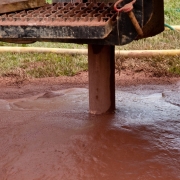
(101, 61)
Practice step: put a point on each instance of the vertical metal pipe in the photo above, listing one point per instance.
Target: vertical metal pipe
(101, 62)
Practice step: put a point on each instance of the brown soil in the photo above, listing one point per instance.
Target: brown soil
(12, 87)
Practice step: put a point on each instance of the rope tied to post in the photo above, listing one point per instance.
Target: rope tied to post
(128, 8)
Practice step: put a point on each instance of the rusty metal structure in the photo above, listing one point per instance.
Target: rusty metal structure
(90, 23)
(7, 6)
(101, 25)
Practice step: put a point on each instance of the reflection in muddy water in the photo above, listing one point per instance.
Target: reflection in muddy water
(53, 137)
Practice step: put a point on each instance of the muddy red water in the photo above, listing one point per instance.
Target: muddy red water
(52, 136)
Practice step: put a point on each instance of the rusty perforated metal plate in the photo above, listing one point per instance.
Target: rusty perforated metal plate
(68, 20)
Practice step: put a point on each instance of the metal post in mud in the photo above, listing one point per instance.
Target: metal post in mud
(101, 62)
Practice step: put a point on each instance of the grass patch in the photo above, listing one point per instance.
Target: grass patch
(52, 65)
(158, 66)
(41, 65)
(49, 1)
(172, 12)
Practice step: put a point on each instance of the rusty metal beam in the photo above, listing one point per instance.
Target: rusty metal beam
(16, 5)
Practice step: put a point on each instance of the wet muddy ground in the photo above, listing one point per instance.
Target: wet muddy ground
(49, 134)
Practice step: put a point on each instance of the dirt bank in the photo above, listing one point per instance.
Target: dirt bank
(13, 87)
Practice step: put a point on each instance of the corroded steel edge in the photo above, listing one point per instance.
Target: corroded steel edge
(43, 32)
(11, 6)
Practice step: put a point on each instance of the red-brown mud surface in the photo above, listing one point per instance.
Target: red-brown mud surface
(15, 88)
(46, 132)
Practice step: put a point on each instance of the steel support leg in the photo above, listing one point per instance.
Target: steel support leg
(101, 61)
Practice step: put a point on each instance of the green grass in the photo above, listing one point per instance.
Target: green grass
(49, 1)
(159, 66)
(166, 40)
(41, 65)
(172, 12)
(48, 65)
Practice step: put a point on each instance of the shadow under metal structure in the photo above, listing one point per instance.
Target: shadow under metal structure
(101, 25)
